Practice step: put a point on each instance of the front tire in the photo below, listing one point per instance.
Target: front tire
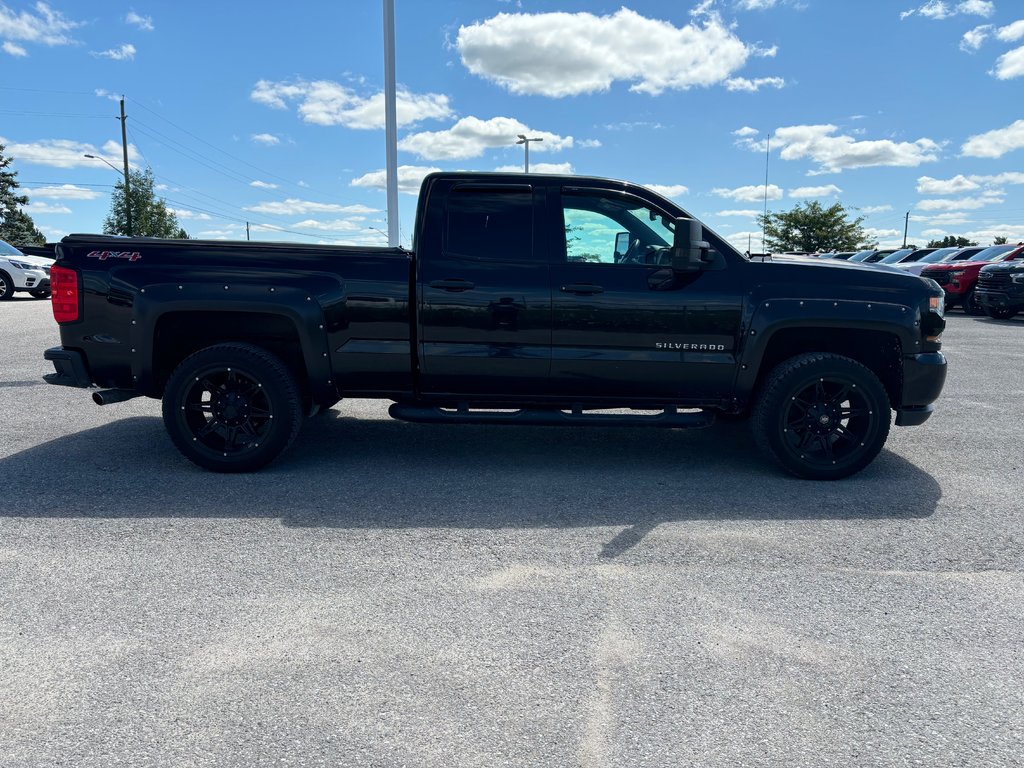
(1000, 313)
(232, 407)
(971, 305)
(821, 416)
(43, 294)
(6, 287)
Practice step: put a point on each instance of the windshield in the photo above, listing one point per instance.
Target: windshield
(897, 256)
(9, 250)
(993, 253)
(936, 256)
(861, 255)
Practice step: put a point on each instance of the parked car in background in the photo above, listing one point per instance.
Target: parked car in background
(915, 255)
(958, 278)
(935, 257)
(861, 255)
(19, 272)
(1000, 288)
(842, 255)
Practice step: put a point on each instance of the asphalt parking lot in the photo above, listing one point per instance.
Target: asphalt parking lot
(390, 594)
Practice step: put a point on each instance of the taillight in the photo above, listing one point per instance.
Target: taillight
(64, 294)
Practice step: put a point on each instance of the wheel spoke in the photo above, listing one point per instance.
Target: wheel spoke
(826, 445)
(201, 407)
(843, 433)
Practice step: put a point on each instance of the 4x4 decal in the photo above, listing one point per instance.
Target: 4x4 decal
(104, 255)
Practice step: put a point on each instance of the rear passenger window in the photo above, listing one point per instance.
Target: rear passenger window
(492, 224)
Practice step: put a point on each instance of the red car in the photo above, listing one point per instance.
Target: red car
(959, 278)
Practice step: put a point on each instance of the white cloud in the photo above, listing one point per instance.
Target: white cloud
(14, 50)
(745, 132)
(409, 179)
(567, 54)
(749, 213)
(941, 9)
(145, 23)
(1014, 233)
(668, 190)
(262, 184)
(338, 225)
(868, 210)
(1010, 65)
(45, 208)
(564, 169)
(588, 144)
(995, 143)
(63, 192)
(756, 5)
(293, 206)
(324, 102)
(45, 26)
(876, 234)
(752, 86)
(125, 53)
(963, 203)
(268, 139)
(750, 194)
(1011, 32)
(471, 136)
(835, 153)
(64, 153)
(926, 185)
(972, 40)
(828, 190)
(185, 214)
(949, 219)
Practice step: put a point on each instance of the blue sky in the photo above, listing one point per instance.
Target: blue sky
(272, 113)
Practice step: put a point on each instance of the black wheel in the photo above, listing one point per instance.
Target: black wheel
(971, 305)
(821, 416)
(43, 294)
(6, 287)
(1000, 313)
(232, 407)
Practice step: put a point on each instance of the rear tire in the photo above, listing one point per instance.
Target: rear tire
(232, 407)
(821, 416)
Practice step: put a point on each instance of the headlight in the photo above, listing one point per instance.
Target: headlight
(1018, 278)
(937, 304)
(957, 275)
(21, 265)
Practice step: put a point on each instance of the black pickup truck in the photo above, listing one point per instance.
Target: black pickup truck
(541, 300)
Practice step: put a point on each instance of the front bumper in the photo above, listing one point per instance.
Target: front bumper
(69, 366)
(924, 375)
(999, 300)
(30, 279)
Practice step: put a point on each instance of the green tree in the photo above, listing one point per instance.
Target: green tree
(16, 226)
(999, 241)
(813, 228)
(950, 241)
(149, 214)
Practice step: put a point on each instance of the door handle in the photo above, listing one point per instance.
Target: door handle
(452, 285)
(582, 288)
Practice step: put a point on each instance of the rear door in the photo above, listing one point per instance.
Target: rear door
(484, 293)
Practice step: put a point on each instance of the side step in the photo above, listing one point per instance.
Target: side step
(669, 417)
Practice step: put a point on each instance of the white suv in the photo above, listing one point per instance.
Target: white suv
(19, 272)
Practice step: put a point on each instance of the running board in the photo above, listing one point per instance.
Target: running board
(669, 417)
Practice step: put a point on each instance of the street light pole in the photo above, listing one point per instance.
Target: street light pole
(124, 150)
(526, 144)
(391, 124)
(127, 204)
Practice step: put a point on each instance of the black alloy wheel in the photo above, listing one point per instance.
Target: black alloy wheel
(232, 407)
(822, 416)
(6, 287)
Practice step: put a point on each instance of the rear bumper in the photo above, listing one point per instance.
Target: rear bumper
(69, 367)
(924, 375)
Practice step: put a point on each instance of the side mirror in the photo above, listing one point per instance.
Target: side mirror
(689, 249)
(621, 244)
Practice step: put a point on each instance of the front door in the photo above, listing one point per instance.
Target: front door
(624, 324)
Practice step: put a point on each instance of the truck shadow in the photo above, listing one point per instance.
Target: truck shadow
(377, 473)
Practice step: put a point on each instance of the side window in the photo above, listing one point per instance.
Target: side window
(491, 224)
(605, 228)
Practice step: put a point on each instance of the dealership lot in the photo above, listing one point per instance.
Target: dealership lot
(397, 594)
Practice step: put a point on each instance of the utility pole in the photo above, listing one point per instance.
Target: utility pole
(906, 226)
(247, 230)
(124, 150)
